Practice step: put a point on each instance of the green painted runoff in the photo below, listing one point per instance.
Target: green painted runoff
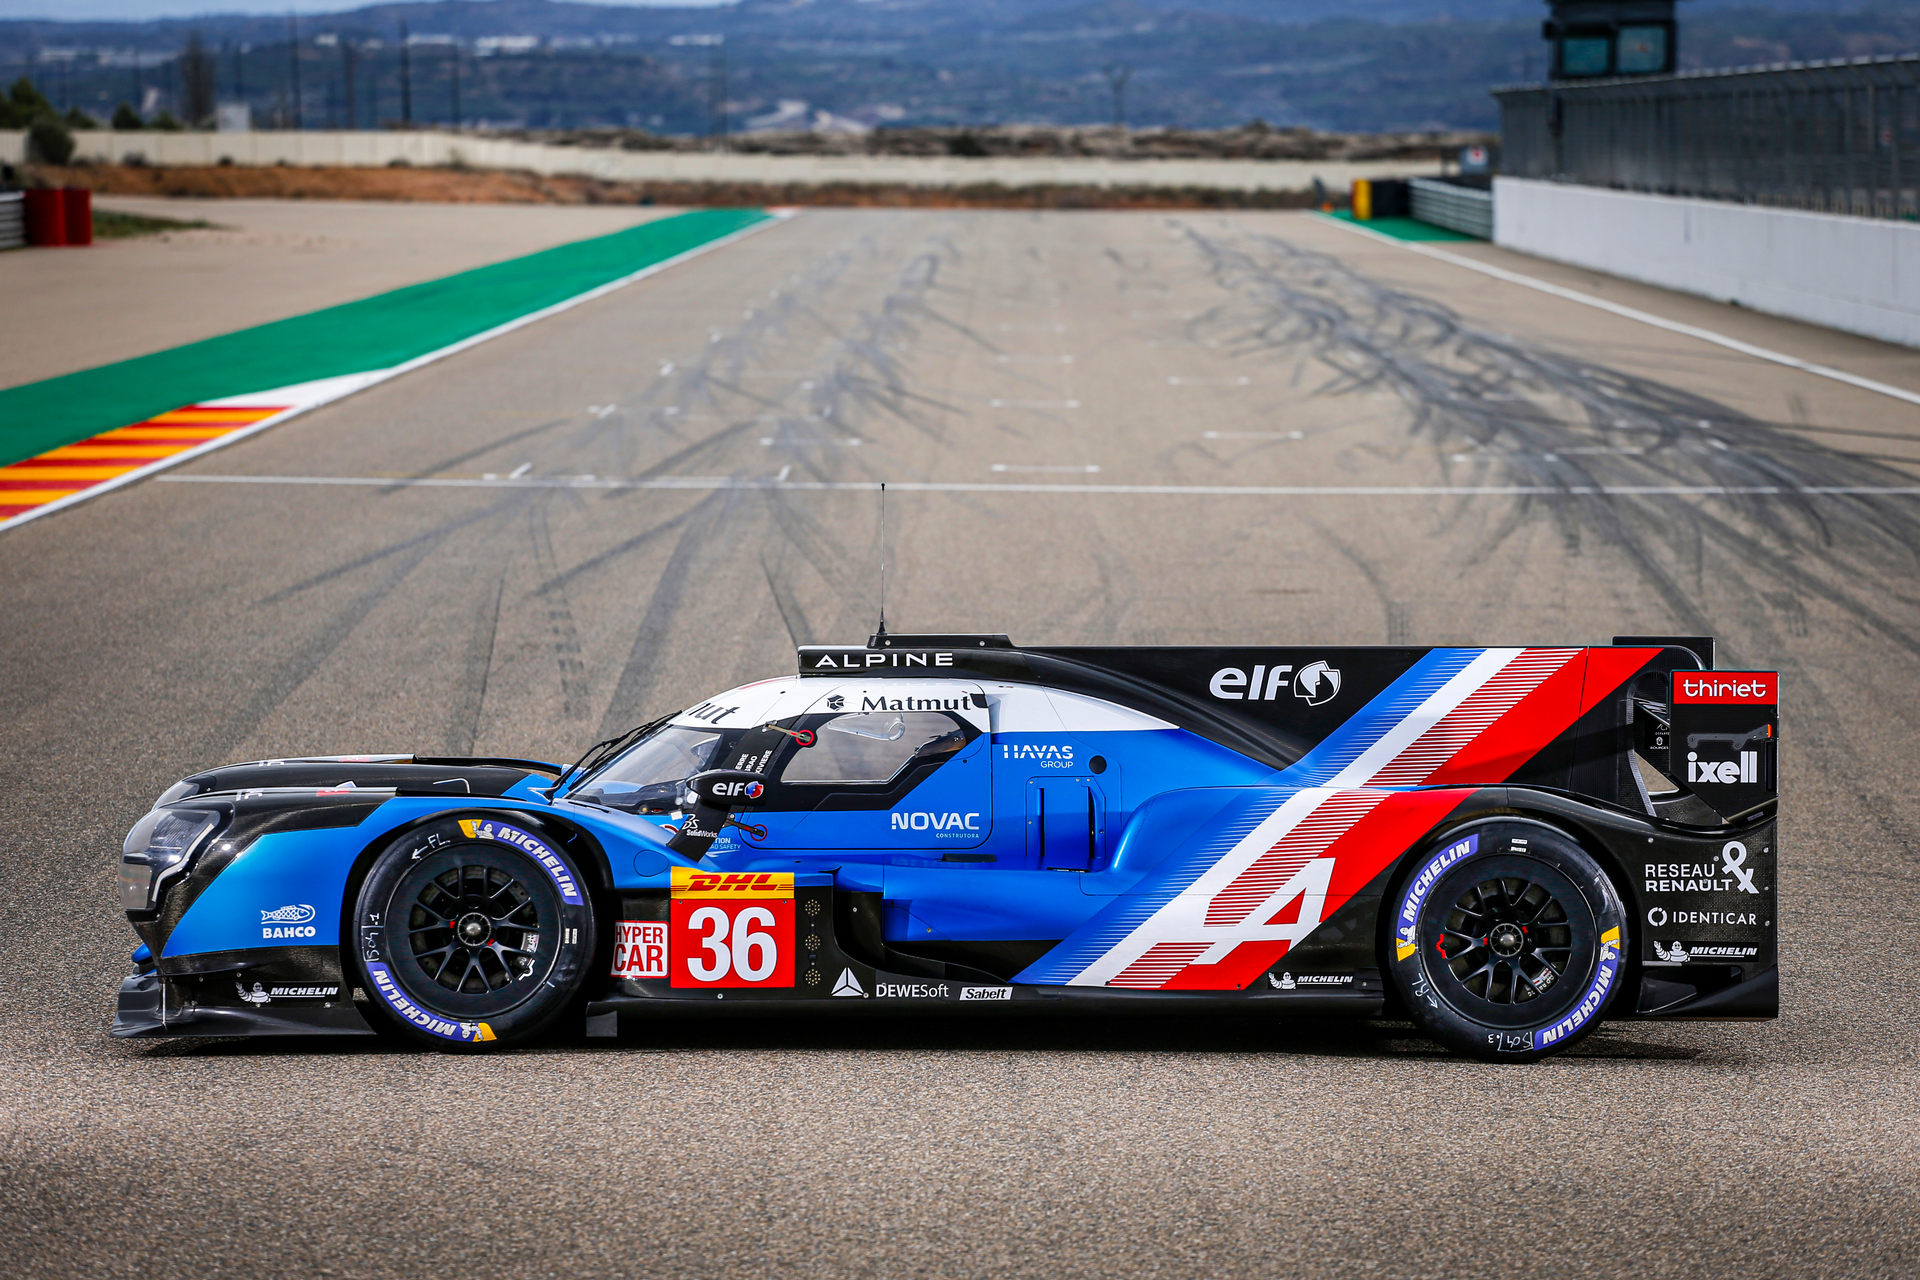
(1402, 228)
(357, 337)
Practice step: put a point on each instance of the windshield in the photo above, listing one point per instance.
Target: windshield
(647, 777)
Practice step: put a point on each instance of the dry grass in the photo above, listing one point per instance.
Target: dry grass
(494, 186)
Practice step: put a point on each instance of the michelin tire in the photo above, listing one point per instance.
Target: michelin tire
(1507, 941)
(473, 933)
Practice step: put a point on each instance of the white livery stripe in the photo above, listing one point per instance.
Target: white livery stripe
(1423, 717)
(1485, 705)
(1283, 858)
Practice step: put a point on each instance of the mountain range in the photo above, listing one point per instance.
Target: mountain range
(856, 64)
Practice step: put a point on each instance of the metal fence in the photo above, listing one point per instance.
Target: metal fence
(1842, 137)
(13, 220)
(1461, 209)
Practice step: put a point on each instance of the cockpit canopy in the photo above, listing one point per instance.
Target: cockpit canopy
(854, 744)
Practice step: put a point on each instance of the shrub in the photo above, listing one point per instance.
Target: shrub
(22, 105)
(126, 118)
(49, 142)
(165, 120)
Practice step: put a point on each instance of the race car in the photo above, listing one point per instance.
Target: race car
(1503, 845)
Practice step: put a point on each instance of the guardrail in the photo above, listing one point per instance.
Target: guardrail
(1462, 209)
(1837, 137)
(13, 219)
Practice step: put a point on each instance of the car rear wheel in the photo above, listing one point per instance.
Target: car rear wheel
(1507, 941)
(474, 932)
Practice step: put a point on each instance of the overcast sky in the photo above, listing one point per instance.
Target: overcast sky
(83, 10)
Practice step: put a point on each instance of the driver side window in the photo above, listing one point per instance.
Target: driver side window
(873, 746)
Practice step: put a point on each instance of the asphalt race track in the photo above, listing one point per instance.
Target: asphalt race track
(1135, 428)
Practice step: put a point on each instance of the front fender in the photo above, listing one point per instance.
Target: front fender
(288, 885)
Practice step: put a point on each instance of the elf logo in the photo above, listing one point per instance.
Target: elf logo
(1745, 769)
(738, 789)
(1315, 684)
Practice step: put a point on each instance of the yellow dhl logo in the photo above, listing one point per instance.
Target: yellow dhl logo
(688, 883)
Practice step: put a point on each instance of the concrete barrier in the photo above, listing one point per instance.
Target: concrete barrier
(1857, 274)
(325, 147)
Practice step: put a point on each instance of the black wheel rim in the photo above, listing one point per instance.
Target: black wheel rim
(480, 930)
(1508, 941)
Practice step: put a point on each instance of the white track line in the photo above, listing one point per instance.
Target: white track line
(714, 483)
(1644, 317)
(354, 382)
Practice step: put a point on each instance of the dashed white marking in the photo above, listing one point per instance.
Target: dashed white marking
(1007, 359)
(1253, 435)
(519, 471)
(1089, 469)
(1034, 404)
(603, 410)
(848, 442)
(1180, 381)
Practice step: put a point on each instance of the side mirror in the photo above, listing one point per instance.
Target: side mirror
(727, 789)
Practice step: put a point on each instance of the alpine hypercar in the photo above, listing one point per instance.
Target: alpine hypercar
(1504, 845)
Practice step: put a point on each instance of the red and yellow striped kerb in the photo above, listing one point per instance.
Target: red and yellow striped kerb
(29, 485)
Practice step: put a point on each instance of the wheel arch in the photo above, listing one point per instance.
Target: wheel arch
(577, 839)
(1513, 808)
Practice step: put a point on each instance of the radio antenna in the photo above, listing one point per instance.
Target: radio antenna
(883, 559)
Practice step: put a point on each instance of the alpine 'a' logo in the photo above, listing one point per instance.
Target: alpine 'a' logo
(848, 985)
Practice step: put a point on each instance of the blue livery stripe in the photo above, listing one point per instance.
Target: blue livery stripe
(1372, 722)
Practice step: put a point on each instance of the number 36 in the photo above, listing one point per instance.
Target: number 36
(753, 954)
(730, 944)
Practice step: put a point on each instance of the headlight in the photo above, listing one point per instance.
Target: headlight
(157, 849)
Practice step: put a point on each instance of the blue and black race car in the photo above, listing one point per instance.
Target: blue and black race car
(1505, 845)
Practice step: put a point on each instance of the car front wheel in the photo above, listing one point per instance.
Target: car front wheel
(474, 932)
